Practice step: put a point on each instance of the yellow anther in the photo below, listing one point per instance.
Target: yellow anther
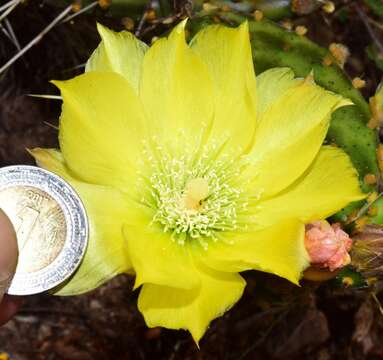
(301, 30)
(358, 83)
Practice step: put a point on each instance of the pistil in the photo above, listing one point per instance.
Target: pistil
(196, 190)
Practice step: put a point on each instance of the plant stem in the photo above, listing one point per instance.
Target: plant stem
(86, 8)
(36, 39)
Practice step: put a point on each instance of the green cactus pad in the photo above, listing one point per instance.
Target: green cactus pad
(348, 277)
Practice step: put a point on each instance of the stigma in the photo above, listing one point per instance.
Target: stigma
(196, 191)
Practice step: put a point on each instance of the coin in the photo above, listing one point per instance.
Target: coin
(51, 227)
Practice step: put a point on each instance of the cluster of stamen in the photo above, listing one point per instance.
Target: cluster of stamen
(195, 195)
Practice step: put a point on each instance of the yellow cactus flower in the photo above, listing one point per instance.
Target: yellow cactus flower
(193, 170)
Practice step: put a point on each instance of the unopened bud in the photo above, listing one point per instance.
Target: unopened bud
(327, 245)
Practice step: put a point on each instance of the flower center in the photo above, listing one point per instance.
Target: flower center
(196, 190)
(195, 195)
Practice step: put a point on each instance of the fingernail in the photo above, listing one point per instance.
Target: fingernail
(8, 252)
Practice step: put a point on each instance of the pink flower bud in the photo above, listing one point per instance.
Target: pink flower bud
(327, 245)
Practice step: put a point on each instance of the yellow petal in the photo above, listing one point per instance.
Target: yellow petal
(272, 84)
(278, 249)
(227, 54)
(106, 254)
(329, 184)
(118, 52)
(289, 134)
(176, 90)
(101, 128)
(194, 309)
(157, 259)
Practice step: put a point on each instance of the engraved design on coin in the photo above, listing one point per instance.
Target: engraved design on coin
(50, 223)
(39, 223)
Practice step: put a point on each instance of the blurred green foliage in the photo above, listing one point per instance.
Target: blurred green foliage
(376, 6)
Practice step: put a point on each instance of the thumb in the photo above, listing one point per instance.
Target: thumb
(8, 252)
